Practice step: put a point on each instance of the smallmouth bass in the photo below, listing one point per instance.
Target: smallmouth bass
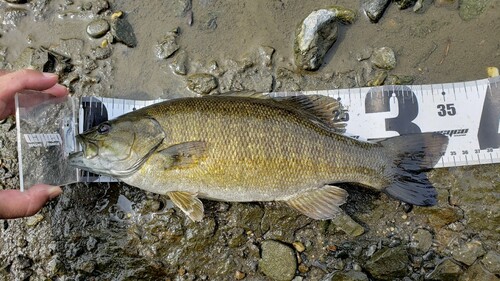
(250, 147)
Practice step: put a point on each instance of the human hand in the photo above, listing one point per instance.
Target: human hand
(14, 203)
(26, 79)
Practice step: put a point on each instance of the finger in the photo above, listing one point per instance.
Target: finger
(13, 82)
(25, 79)
(16, 204)
(57, 90)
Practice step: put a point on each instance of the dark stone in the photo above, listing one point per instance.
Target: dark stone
(388, 263)
(374, 9)
(123, 32)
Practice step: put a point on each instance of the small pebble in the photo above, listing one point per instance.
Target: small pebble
(34, 220)
(238, 275)
(101, 53)
(331, 248)
(117, 14)
(492, 71)
(384, 58)
(104, 43)
(303, 268)
(299, 246)
(97, 28)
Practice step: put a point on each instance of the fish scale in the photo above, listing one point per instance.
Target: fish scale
(282, 151)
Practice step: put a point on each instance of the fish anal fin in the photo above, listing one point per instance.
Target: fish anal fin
(319, 204)
(188, 203)
(327, 109)
(184, 155)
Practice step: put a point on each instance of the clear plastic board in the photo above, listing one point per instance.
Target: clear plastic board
(45, 136)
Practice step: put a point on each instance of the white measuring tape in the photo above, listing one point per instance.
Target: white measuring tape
(467, 112)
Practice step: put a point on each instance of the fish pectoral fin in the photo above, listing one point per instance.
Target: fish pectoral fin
(184, 155)
(319, 204)
(188, 203)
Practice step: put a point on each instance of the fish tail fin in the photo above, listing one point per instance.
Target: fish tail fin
(412, 155)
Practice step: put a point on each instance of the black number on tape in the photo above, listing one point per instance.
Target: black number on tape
(446, 109)
(379, 100)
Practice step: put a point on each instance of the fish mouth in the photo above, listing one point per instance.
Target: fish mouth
(75, 159)
(79, 159)
(89, 148)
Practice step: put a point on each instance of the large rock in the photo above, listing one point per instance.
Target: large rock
(388, 263)
(491, 262)
(349, 276)
(278, 260)
(447, 270)
(346, 224)
(477, 272)
(421, 242)
(317, 33)
(470, 9)
(469, 252)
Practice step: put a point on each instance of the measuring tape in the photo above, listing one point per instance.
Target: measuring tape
(467, 112)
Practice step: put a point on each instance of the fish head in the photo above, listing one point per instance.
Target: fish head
(118, 147)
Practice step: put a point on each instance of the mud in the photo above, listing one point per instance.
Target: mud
(116, 232)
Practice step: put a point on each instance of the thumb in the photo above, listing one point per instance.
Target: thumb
(16, 204)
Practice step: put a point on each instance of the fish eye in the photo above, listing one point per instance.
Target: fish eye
(104, 128)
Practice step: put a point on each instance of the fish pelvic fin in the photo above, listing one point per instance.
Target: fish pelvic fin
(188, 203)
(319, 204)
(412, 155)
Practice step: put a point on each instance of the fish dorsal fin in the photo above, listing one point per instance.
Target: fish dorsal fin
(319, 204)
(184, 155)
(188, 203)
(247, 94)
(328, 110)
